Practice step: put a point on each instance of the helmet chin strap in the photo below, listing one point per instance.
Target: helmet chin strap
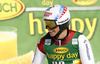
(58, 34)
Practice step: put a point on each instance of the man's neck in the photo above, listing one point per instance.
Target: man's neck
(63, 34)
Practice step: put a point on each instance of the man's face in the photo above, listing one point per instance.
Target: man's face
(54, 31)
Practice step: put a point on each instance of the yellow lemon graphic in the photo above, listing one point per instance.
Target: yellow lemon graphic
(24, 59)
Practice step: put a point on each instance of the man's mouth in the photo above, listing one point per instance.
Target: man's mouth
(51, 31)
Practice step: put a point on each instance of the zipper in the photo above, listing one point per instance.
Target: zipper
(59, 42)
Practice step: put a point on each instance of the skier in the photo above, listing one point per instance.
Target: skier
(61, 45)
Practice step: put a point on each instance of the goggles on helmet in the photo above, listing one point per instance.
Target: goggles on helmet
(50, 23)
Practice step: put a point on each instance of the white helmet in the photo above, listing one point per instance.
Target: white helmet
(57, 15)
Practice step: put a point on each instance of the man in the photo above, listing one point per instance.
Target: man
(61, 45)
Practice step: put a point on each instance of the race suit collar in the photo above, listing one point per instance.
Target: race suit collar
(66, 40)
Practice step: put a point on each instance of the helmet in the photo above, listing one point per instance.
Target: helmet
(57, 15)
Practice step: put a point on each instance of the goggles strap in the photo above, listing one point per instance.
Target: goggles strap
(57, 35)
(61, 30)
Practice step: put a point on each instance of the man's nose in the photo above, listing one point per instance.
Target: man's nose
(48, 28)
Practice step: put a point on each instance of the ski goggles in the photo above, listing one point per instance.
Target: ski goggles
(50, 23)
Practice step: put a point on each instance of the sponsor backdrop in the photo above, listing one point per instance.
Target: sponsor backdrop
(27, 17)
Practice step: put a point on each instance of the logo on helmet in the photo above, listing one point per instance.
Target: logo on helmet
(64, 21)
(61, 12)
(84, 2)
(47, 14)
(65, 9)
